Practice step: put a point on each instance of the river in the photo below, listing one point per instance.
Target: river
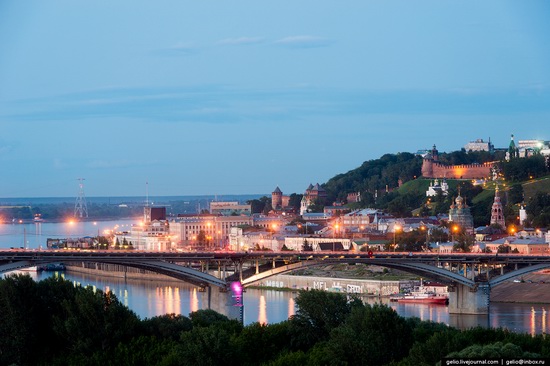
(151, 298)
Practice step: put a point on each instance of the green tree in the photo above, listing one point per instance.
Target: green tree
(319, 312)
(371, 335)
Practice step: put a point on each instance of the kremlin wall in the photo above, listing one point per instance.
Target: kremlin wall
(432, 168)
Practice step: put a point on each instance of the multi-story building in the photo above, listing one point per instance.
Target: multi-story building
(479, 145)
(229, 208)
(216, 228)
(151, 234)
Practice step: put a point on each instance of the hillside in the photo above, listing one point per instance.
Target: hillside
(532, 187)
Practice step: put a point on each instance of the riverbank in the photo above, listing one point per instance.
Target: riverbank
(534, 290)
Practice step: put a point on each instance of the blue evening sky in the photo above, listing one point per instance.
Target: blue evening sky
(235, 97)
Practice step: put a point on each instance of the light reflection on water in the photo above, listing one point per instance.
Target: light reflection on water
(152, 298)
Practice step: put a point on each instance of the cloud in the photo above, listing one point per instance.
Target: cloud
(219, 104)
(304, 42)
(241, 41)
(180, 49)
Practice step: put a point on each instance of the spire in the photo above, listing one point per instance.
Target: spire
(497, 213)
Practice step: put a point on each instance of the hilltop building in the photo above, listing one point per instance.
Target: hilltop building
(433, 168)
(479, 145)
(436, 187)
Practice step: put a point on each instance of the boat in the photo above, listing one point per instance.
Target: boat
(422, 297)
(424, 294)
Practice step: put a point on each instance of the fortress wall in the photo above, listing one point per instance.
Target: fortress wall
(461, 171)
(432, 169)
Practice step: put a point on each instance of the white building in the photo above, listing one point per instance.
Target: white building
(436, 187)
(479, 145)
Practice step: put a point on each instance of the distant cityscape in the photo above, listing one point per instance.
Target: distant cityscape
(287, 222)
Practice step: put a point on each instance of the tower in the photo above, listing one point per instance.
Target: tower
(80, 207)
(513, 151)
(277, 199)
(428, 163)
(497, 214)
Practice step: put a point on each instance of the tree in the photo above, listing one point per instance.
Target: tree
(306, 246)
(201, 237)
(371, 335)
(319, 312)
(464, 243)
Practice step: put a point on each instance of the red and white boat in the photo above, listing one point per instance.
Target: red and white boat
(431, 294)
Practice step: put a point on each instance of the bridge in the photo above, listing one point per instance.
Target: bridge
(470, 276)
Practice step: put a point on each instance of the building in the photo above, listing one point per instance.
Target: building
(216, 228)
(459, 214)
(497, 213)
(354, 197)
(318, 244)
(479, 145)
(432, 168)
(278, 200)
(152, 234)
(436, 188)
(313, 194)
(521, 246)
(230, 209)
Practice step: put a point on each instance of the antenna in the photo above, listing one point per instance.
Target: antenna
(80, 207)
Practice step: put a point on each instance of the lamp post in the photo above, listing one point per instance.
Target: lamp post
(453, 231)
(395, 229)
(273, 227)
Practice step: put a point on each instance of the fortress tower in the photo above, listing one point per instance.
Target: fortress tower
(497, 214)
(277, 198)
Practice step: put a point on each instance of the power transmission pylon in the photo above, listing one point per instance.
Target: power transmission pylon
(80, 207)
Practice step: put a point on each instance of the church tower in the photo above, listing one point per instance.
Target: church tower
(497, 214)
(513, 151)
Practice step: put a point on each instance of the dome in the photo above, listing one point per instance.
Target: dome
(459, 200)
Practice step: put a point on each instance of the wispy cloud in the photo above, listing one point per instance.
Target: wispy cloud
(304, 42)
(218, 104)
(180, 49)
(241, 41)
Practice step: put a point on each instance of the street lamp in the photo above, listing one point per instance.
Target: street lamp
(395, 229)
(273, 228)
(453, 231)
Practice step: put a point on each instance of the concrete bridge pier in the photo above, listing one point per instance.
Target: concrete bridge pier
(468, 300)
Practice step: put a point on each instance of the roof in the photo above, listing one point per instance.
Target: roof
(277, 190)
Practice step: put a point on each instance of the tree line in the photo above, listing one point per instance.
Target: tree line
(52, 322)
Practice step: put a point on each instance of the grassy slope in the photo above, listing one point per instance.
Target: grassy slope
(530, 188)
(420, 186)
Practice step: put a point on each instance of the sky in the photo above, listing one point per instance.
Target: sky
(209, 97)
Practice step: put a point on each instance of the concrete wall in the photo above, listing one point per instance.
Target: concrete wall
(366, 287)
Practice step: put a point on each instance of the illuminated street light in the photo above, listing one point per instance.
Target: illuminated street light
(454, 230)
(395, 229)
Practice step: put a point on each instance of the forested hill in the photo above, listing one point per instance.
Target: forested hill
(375, 175)
(385, 172)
